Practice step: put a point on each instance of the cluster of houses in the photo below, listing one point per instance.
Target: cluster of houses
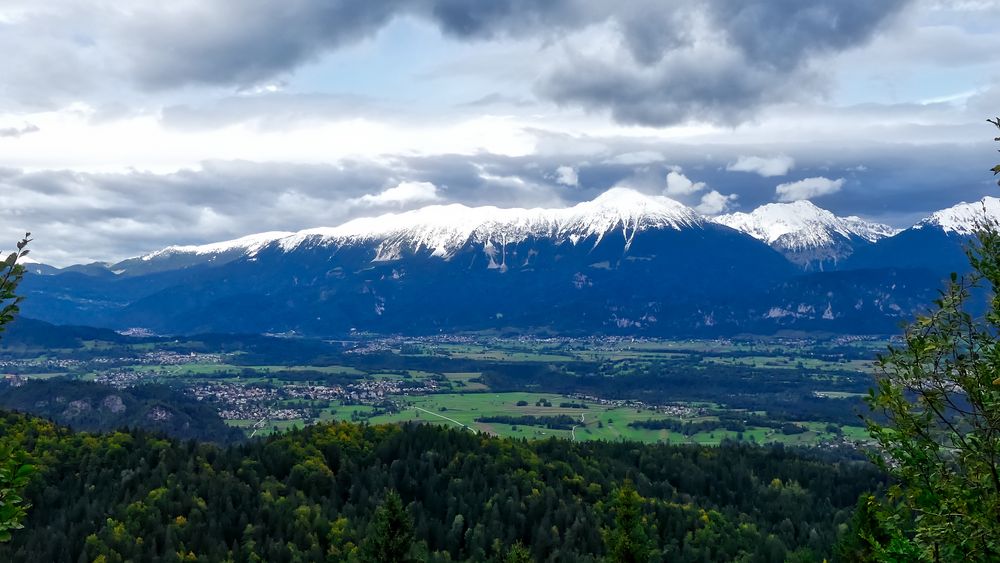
(242, 402)
(40, 365)
(288, 402)
(677, 411)
(175, 358)
(121, 378)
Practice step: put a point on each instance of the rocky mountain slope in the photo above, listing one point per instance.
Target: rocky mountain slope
(807, 235)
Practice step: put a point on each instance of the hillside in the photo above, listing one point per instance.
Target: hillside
(311, 494)
(98, 408)
(29, 333)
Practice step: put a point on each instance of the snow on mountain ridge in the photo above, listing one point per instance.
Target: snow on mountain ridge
(250, 245)
(961, 219)
(801, 225)
(446, 228)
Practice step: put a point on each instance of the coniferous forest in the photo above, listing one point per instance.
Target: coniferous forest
(328, 492)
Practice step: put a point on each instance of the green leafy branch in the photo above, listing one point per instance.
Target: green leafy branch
(15, 473)
(11, 274)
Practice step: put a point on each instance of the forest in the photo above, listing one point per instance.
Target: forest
(319, 493)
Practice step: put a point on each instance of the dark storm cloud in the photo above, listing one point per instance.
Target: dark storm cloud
(763, 54)
(476, 19)
(220, 42)
(781, 33)
(663, 62)
(241, 43)
(712, 85)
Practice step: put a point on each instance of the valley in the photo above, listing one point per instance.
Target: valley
(792, 390)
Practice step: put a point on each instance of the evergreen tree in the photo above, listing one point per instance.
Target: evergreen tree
(518, 554)
(627, 541)
(390, 537)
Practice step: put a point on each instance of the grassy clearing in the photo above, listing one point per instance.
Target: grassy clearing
(42, 375)
(272, 426)
(839, 394)
(330, 370)
(599, 422)
(173, 370)
(462, 381)
(788, 362)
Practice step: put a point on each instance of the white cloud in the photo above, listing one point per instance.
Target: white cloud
(635, 158)
(765, 166)
(808, 188)
(679, 184)
(404, 193)
(567, 176)
(74, 138)
(714, 203)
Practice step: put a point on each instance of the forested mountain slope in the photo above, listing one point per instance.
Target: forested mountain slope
(98, 408)
(309, 495)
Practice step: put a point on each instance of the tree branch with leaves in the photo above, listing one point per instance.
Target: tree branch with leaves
(940, 395)
(15, 472)
(11, 273)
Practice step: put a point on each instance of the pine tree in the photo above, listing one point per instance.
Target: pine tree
(627, 541)
(390, 537)
(517, 554)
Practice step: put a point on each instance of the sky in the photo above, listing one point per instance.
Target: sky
(127, 126)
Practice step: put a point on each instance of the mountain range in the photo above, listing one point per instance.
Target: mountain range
(623, 263)
(806, 235)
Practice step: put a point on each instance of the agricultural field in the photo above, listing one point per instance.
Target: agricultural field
(596, 422)
(794, 391)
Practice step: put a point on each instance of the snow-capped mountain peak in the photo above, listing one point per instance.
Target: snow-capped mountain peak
(805, 233)
(446, 228)
(962, 219)
(802, 225)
